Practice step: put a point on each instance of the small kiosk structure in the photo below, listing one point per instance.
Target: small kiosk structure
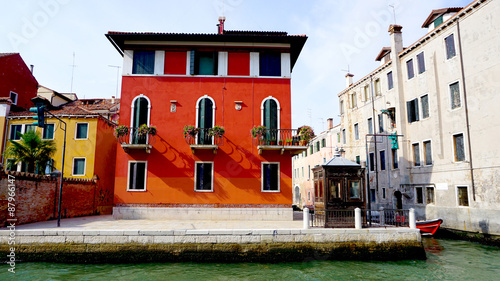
(339, 189)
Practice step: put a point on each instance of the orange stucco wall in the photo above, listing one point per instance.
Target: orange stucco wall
(237, 164)
(104, 165)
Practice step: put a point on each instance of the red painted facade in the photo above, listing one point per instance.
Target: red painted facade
(237, 163)
(16, 77)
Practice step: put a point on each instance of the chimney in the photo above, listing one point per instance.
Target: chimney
(32, 67)
(396, 40)
(329, 122)
(221, 24)
(112, 99)
(348, 80)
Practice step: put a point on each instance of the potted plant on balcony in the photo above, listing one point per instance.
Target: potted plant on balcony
(121, 132)
(306, 133)
(258, 132)
(152, 131)
(216, 131)
(142, 133)
(190, 133)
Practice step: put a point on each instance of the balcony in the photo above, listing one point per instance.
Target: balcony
(282, 140)
(136, 138)
(204, 140)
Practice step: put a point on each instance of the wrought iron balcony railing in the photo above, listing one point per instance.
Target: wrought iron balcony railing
(281, 139)
(203, 140)
(136, 138)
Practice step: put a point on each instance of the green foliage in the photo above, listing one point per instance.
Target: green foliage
(31, 149)
(216, 131)
(190, 130)
(306, 133)
(258, 131)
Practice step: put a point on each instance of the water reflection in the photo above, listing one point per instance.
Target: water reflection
(432, 245)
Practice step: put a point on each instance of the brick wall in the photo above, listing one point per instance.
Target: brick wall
(36, 197)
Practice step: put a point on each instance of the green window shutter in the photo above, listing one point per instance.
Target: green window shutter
(215, 60)
(415, 101)
(409, 111)
(271, 114)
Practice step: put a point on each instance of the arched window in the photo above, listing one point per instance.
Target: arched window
(140, 115)
(271, 118)
(205, 108)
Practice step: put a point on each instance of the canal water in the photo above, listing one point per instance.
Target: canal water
(446, 260)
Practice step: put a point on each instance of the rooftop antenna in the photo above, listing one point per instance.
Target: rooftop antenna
(117, 78)
(348, 70)
(393, 12)
(72, 72)
(322, 124)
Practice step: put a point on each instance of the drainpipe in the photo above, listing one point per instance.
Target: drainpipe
(471, 167)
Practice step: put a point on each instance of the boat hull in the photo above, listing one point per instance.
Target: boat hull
(429, 227)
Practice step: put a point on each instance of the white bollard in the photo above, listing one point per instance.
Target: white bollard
(305, 218)
(357, 218)
(413, 221)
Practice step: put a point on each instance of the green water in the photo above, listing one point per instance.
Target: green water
(446, 260)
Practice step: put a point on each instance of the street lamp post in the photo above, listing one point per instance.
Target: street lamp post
(62, 170)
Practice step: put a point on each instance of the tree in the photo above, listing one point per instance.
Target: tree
(32, 150)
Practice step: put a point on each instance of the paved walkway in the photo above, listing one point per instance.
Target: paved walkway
(106, 222)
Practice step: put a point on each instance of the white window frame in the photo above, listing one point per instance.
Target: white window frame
(418, 65)
(145, 176)
(278, 109)
(23, 130)
(84, 167)
(454, 44)
(419, 155)
(456, 195)
(392, 159)
(353, 97)
(387, 77)
(197, 113)
(196, 176)
(14, 102)
(76, 131)
(424, 153)
(53, 136)
(380, 159)
(262, 178)
(421, 109)
(434, 198)
(453, 147)
(459, 94)
(413, 67)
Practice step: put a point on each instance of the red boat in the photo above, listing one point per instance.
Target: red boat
(429, 227)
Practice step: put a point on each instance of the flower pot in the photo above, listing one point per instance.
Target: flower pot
(302, 143)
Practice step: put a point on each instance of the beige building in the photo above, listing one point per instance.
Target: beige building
(441, 97)
(320, 150)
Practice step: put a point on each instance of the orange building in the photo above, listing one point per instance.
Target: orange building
(233, 79)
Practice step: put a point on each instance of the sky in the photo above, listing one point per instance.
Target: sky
(64, 39)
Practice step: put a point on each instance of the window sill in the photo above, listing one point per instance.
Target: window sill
(136, 190)
(270, 191)
(196, 190)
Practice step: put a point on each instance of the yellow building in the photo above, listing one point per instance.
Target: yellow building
(90, 143)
